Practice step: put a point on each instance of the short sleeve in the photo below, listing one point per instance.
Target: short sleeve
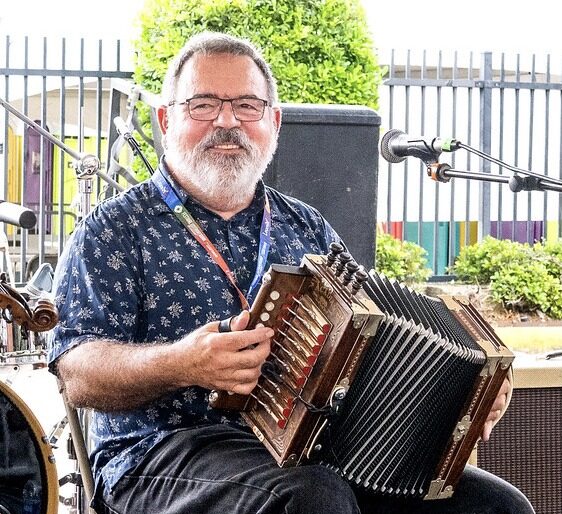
(97, 283)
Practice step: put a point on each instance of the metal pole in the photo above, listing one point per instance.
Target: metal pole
(486, 77)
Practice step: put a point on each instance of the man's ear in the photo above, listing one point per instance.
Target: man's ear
(277, 118)
(162, 113)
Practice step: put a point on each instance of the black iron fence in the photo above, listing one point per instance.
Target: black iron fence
(62, 85)
(507, 106)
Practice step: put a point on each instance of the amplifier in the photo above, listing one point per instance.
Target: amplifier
(526, 446)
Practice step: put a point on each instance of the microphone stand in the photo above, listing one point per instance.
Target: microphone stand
(442, 172)
(85, 165)
(521, 180)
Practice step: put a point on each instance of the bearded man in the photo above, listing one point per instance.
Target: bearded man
(144, 282)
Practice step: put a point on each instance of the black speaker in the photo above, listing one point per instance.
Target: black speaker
(328, 158)
(526, 445)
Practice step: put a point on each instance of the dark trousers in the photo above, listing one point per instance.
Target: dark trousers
(221, 470)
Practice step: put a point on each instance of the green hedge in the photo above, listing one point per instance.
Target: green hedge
(521, 277)
(403, 260)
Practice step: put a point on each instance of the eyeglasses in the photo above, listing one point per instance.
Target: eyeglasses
(208, 108)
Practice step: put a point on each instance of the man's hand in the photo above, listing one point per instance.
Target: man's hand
(230, 361)
(497, 408)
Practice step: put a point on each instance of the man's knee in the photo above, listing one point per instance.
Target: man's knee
(316, 489)
(497, 494)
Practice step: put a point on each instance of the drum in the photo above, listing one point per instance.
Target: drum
(28, 475)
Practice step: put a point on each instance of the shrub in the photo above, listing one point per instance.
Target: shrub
(521, 277)
(477, 263)
(403, 260)
(550, 253)
(527, 287)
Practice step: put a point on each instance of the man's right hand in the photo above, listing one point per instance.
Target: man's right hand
(229, 361)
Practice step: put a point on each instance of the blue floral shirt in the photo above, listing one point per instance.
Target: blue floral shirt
(131, 272)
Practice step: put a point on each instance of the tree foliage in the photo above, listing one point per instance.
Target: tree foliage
(320, 51)
(403, 260)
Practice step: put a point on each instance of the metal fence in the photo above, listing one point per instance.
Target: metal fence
(509, 107)
(62, 85)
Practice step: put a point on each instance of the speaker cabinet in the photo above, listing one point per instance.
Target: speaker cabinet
(526, 445)
(328, 157)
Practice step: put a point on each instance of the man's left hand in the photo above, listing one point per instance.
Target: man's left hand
(498, 407)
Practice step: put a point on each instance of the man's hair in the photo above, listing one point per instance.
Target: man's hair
(211, 43)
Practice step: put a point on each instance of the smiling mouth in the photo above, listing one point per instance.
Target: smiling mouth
(226, 146)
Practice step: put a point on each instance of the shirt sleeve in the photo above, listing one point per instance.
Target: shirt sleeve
(97, 284)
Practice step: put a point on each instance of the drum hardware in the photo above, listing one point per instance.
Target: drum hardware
(56, 432)
(27, 462)
(27, 455)
(75, 479)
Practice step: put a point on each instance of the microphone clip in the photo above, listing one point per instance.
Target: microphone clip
(438, 171)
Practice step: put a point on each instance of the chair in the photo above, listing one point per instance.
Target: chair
(78, 424)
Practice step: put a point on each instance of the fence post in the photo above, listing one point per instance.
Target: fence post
(486, 77)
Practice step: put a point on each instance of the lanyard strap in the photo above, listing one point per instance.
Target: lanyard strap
(173, 201)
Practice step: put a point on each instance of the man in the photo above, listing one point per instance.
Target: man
(141, 290)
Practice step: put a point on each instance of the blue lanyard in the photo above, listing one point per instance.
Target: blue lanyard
(173, 201)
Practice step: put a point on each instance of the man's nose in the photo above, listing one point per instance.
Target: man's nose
(226, 116)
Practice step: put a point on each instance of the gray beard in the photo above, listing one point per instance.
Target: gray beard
(222, 182)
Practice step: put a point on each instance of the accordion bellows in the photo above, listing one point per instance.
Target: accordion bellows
(388, 387)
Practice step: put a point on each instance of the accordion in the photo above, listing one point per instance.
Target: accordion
(386, 386)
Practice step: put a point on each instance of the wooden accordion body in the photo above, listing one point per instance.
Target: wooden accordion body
(386, 386)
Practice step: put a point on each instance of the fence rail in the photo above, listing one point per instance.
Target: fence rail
(63, 86)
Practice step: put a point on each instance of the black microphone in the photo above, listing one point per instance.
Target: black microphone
(16, 214)
(395, 146)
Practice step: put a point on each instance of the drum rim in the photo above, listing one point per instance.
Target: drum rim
(47, 460)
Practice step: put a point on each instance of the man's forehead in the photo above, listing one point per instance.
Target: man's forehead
(222, 74)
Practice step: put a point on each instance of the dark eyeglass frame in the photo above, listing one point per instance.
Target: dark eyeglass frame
(198, 117)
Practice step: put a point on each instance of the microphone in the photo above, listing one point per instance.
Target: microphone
(17, 215)
(395, 146)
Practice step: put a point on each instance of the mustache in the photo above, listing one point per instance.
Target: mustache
(223, 136)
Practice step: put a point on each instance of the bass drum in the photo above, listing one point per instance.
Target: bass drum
(28, 475)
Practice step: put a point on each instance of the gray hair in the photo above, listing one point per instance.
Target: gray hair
(210, 43)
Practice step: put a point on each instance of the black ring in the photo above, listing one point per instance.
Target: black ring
(224, 325)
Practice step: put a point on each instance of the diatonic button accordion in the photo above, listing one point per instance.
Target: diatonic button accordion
(388, 387)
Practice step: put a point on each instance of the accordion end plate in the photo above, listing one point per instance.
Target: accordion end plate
(290, 462)
(438, 490)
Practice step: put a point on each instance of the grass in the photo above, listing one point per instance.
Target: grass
(531, 339)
